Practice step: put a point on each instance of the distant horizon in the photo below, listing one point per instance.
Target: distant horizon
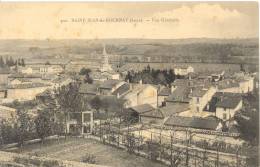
(41, 39)
(129, 20)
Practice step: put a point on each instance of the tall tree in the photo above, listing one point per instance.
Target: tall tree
(44, 123)
(69, 100)
(2, 63)
(23, 126)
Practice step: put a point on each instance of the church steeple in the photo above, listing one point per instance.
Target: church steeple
(104, 50)
(105, 66)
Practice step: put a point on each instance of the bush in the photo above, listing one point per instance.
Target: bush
(32, 161)
(88, 158)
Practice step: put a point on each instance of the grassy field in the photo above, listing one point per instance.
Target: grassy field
(74, 149)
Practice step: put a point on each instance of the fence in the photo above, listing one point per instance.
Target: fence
(166, 149)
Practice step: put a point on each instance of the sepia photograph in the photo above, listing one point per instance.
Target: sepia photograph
(129, 84)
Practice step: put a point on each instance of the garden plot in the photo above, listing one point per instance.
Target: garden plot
(75, 149)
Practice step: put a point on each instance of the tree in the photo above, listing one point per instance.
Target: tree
(96, 103)
(44, 123)
(22, 62)
(84, 71)
(23, 126)
(69, 100)
(2, 63)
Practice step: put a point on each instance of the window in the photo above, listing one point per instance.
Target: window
(198, 99)
(224, 116)
(225, 109)
(198, 109)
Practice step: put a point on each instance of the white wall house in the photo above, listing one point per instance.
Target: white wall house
(236, 86)
(226, 108)
(141, 94)
(25, 92)
(200, 98)
(183, 70)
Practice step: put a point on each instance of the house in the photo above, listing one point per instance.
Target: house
(140, 94)
(31, 77)
(183, 70)
(236, 85)
(24, 70)
(88, 89)
(152, 117)
(228, 105)
(194, 123)
(77, 65)
(174, 109)
(217, 76)
(4, 73)
(109, 86)
(179, 95)
(200, 97)
(135, 112)
(61, 81)
(16, 81)
(121, 90)
(163, 94)
(26, 91)
(7, 113)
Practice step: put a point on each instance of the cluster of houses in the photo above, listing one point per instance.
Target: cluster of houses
(202, 101)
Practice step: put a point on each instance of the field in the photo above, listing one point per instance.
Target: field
(74, 149)
(198, 67)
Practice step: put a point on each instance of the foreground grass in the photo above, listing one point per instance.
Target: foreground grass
(74, 149)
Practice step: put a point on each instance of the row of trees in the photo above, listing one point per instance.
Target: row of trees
(53, 116)
(152, 76)
(9, 61)
(24, 127)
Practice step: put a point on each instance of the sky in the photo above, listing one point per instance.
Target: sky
(153, 20)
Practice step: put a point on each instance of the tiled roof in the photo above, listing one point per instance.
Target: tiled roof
(136, 88)
(228, 102)
(109, 84)
(180, 82)
(228, 83)
(122, 89)
(199, 92)
(192, 122)
(143, 108)
(153, 114)
(180, 94)
(217, 97)
(88, 89)
(175, 108)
